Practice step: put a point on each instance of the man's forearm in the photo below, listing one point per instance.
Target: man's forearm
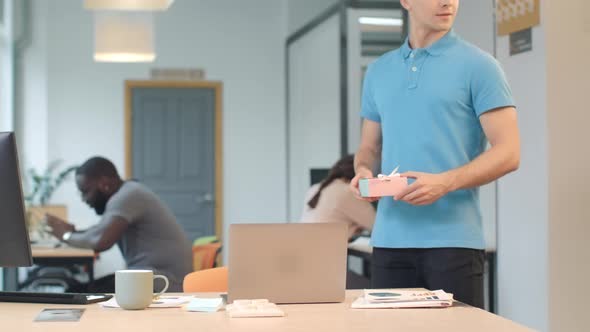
(489, 166)
(87, 239)
(365, 158)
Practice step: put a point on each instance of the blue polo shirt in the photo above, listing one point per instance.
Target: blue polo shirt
(428, 102)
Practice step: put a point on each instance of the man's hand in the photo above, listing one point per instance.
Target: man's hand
(362, 173)
(427, 188)
(58, 226)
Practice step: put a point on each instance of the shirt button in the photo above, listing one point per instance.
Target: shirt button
(411, 55)
(414, 69)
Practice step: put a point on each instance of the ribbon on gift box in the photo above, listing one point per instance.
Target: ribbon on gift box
(394, 173)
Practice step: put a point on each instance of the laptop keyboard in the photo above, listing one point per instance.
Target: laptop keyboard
(59, 298)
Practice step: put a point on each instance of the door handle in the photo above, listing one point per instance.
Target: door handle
(205, 198)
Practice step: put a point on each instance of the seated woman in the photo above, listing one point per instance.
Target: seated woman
(333, 201)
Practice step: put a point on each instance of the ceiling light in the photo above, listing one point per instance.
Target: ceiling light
(381, 21)
(136, 5)
(123, 37)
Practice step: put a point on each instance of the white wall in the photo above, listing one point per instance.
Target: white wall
(300, 12)
(32, 87)
(475, 23)
(523, 220)
(314, 108)
(240, 43)
(523, 196)
(6, 68)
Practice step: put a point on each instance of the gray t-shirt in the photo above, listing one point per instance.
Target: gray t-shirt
(153, 240)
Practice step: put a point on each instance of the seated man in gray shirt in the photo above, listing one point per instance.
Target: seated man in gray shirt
(143, 227)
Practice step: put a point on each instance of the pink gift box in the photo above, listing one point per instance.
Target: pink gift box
(389, 186)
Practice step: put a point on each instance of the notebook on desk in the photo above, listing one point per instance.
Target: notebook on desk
(288, 263)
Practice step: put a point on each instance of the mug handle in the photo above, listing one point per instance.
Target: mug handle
(159, 276)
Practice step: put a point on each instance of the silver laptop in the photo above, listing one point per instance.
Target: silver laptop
(288, 263)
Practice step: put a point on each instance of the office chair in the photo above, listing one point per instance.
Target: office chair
(209, 280)
(205, 255)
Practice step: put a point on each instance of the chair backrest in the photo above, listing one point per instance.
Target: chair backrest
(205, 240)
(209, 280)
(205, 255)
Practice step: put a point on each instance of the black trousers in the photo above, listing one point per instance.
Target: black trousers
(454, 270)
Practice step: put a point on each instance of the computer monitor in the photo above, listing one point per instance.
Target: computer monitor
(317, 175)
(15, 248)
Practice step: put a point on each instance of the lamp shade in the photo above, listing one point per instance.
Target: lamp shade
(134, 5)
(123, 36)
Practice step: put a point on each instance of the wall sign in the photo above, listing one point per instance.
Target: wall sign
(517, 15)
(521, 41)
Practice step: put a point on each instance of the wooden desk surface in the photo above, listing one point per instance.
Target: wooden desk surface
(50, 252)
(299, 317)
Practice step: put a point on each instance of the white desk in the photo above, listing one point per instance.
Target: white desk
(299, 317)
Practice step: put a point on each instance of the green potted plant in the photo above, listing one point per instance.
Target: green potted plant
(42, 186)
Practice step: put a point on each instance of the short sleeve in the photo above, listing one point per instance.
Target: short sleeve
(489, 87)
(127, 205)
(368, 107)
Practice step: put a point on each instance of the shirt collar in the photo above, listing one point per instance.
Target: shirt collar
(436, 49)
(406, 49)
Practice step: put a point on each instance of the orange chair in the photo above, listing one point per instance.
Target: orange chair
(209, 280)
(205, 255)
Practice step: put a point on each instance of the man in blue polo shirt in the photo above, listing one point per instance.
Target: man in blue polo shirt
(429, 108)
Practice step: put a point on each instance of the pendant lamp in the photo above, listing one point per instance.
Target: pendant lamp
(121, 36)
(134, 5)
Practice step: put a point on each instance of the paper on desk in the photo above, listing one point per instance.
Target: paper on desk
(161, 302)
(205, 304)
(362, 303)
(362, 243)
(59, 315)
(398, 298)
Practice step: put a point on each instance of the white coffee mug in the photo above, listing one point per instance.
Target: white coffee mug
(134, 288)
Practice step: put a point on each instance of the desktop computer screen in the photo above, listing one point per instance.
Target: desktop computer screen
(15, 248)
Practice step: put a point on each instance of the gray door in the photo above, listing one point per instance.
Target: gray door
(173, 151)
